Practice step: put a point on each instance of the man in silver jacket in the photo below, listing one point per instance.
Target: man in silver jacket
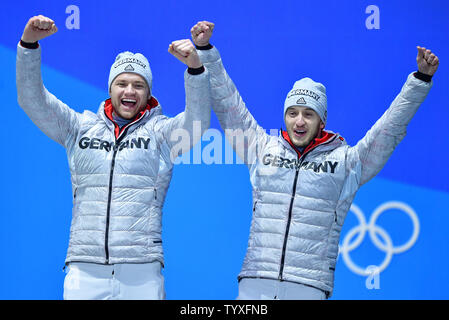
(121, 162)
(304, 180)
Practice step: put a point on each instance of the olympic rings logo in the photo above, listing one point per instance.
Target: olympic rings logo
(374, 231)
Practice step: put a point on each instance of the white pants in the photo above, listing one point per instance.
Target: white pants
(270, 289)
(89, 281)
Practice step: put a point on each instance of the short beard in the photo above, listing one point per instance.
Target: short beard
(317, 134)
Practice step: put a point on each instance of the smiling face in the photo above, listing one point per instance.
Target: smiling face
(303, 125)
(129, 95)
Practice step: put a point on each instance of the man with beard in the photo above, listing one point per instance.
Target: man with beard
(304, 180)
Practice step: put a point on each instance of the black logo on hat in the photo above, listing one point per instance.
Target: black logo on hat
(301, 101)
(129, 68)
(129, 60)
(303, 92)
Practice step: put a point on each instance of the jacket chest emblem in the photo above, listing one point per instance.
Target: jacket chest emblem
(281, 162)
(95, 143)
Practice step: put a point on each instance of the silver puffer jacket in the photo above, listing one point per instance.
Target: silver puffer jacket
(300, 201)
(119, 177)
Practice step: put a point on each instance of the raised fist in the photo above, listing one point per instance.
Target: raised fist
(427, 61)
(185, 51)
(201, 33)
(37, 28)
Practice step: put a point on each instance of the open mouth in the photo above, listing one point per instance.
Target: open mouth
(129, 103)
(300, 133)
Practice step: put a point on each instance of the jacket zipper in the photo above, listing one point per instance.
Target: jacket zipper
(111, 174)
(284, 247)
(290, 210)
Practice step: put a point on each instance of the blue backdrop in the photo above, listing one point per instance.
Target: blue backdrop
(362, 56)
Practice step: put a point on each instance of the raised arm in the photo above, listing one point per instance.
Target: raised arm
(185, 130)
(53, 117)
(372, 152)
(241, 129)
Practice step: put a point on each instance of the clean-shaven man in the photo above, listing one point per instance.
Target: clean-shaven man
(120, 161)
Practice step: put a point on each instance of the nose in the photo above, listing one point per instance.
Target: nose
(299, 120)
(129, 90)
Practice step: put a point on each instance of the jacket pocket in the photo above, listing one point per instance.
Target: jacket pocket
(336, 219)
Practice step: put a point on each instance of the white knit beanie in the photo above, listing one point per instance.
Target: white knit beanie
(310, 94)
(130, 62)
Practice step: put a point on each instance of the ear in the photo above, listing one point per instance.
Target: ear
(321, 125)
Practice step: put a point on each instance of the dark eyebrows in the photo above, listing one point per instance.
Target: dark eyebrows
(123, 81)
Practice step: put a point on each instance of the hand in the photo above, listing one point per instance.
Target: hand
(37, 28)
(427, 61)
(185, 51)
(201, 33)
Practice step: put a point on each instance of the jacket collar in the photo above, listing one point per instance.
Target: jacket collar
(106, 109)
(327, 138)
